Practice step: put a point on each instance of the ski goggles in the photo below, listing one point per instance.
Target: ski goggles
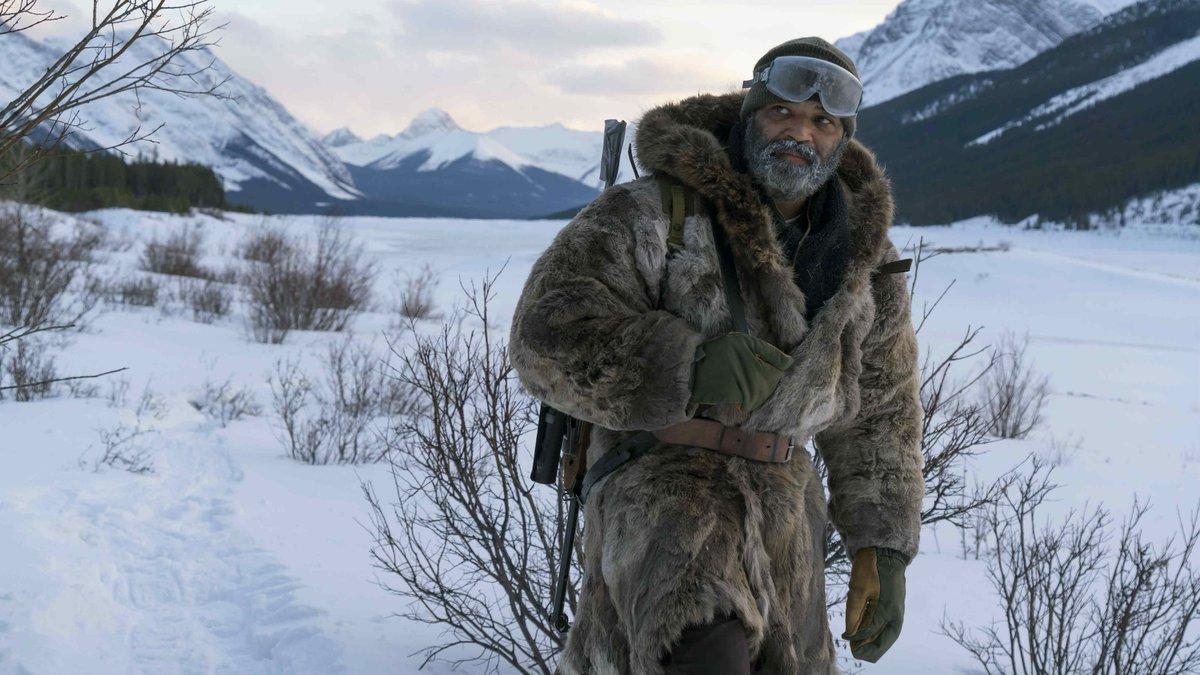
(797, 78)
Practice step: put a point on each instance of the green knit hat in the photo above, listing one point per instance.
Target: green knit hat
(758, 96)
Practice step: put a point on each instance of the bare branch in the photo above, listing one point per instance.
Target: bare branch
(102, 63)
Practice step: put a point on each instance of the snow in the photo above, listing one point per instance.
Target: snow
(446, 147)
(1181, 205)
(1081, 98)
(339, 137)
(428, 121)
(1110, 6)
(924, 41)
(232, 558)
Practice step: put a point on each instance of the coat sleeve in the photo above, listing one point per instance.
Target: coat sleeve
(586, 337)
(876, 486)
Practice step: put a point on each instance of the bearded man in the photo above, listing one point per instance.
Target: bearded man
(705, 518)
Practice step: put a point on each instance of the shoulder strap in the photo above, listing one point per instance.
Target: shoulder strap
(678, 202)
(733, 289)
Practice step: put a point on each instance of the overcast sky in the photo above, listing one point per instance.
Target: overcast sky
(373, 64)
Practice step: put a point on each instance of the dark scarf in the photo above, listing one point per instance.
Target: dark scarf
(818, 259)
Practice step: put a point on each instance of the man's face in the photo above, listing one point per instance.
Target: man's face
(793, 148)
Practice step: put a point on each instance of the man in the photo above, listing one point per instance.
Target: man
(703, 555)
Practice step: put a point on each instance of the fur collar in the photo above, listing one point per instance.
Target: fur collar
(686, 140)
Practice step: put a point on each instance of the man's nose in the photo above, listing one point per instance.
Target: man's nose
(800, 131)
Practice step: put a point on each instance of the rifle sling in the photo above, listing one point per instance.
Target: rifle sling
(628, 449)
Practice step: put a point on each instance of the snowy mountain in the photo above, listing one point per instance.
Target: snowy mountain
(552, 147)
(1085, 128)
(508, 171)
(339, 137)
(436, 135)
(264, 155)
(924, 41)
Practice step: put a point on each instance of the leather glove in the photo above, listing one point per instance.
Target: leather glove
(737, 368)
(875, 604)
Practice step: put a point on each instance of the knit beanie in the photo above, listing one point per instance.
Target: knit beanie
(758, 95)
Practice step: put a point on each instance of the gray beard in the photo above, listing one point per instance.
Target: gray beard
(783, 179)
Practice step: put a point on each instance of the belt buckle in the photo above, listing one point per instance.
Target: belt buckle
(791, 446)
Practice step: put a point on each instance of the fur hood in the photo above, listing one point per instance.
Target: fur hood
(687, 140)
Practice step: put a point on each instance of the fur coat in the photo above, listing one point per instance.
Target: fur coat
(606, 330)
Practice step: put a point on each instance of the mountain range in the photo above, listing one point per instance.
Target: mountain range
(924, 41)
(509, 172)
(1105, 117)
(934, 70)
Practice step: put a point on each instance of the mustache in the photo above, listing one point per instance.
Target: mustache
(808, 152)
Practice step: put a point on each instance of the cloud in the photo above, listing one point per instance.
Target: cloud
(481, 27)
(642, 75)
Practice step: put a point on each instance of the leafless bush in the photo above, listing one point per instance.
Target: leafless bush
(1075, 601)
(225, 402)
(27, 371)
(177, 254)
(209, 300)
(415, 294)
(336, 419)
(138, 291)
(1015, 394)
(465, 537)
(38, 269)
(319, 287)
(30, 368)
(118, 450)
(265, 244)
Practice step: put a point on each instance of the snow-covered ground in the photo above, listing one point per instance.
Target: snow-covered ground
(230, 557)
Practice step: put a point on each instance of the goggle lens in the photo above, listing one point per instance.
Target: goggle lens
(797, 78)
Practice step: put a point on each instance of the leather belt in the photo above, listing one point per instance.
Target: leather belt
(762, 446)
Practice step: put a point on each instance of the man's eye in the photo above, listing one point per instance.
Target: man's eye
(781, 110)
(824, 120)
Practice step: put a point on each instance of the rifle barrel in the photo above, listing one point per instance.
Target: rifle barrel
(564, 567)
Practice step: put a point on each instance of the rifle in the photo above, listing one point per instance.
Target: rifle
(560, 435)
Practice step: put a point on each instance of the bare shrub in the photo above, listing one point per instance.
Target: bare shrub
(336, 419)
(465, 538)
(318, 287)
(28, 371)
(1015, 394)
(209, 300)
(141, 291)
(30, 368)
(230, 275)
(265, 244)
(1075, 601)
(225, 403)
(118, 450)
(39, 267)
(415, 293)
(117, 393)
(178, 254)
